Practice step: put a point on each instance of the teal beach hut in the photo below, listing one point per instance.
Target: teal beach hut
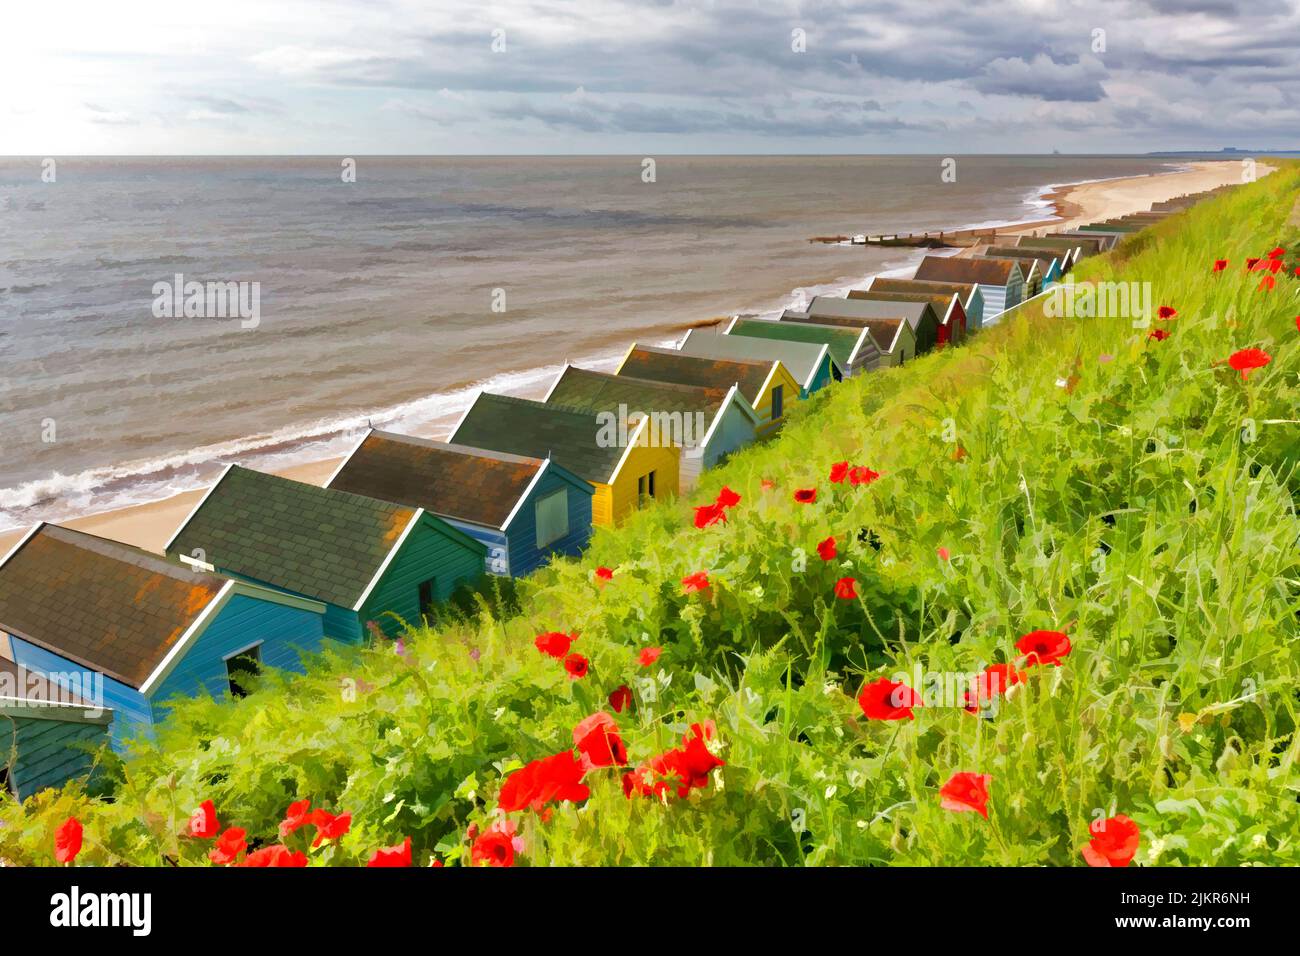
(523, 510)
(373, 564)
(123, 631)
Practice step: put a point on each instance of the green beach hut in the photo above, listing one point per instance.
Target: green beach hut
(372, 563)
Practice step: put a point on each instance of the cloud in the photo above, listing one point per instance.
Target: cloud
(1044, 78)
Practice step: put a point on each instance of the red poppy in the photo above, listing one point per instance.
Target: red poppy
(597, 740)
(605, 574)
(862, 476)
(706, 515)
(1114, 842)
(203, 822)
(826, 549)
(1043, 647)
(495, 846)
(67, 840)
(727, 498)
(1220, 265)
(846, 589)
(298, 815)
(1166, 312)
(576, 666)
(1250, 264)
(649, 655)
(554, 778)
(839, 471)
(620, 698)
(392, 857)
(228, 846)
(885, 699)
(966, 793)
(328, 826)
(554, 643)
(1247, 359)
(806, 496)
(1297, 318)
(1277, 253)
(1266, 284)
(276, 855)
(1158, 334)
(943, 553)
(677, 770)
(699, 581)
(996, 680)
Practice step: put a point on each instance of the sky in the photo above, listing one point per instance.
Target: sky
(643, 76)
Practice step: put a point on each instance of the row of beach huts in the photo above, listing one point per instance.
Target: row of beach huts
(97, 636)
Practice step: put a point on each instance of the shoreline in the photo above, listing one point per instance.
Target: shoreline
(150, 524)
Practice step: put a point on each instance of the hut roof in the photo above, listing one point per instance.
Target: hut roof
(670, 365)
(600, 391)
(105, 605)
(801, 359)
(843, 342)
(952, 269)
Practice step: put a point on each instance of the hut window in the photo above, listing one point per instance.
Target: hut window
(427, 592)
(645, 486)
(778, 401)
(552, 517)
(242, 666)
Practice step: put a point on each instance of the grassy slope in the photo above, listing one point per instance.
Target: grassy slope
(1131, 507)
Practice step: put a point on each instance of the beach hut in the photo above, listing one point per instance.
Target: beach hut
(920, 316)
(47, 735)
(810, 363)
(767, 385)
(624, 469)
(854, 350)
(972, 299)
(947, 306)
(1105, 241)
(522, 509)
(1001, 282)
(1048, 262)
(706, 423)
(1030, 269)
(126, 630)
(894, 337)
(375, 565)
(1077, 246)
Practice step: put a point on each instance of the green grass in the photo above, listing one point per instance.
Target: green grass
(1146, 505)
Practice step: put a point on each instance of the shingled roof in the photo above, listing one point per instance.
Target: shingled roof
(104, 605)
(670, 365)
(599, 391)
(882, 284)
(829, 308)
(842, 341)
(319, 542)
(952, 269)
(803, 360)
(453, 481)
(522, 426)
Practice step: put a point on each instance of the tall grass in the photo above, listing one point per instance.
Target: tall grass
(1137, 494)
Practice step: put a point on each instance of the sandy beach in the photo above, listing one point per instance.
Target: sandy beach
(150, 525)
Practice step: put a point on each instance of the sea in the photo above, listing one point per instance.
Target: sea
(391, 290)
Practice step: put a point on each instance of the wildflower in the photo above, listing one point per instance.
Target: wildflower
(706, 515)
(699, 581)
(943, 553)
(1044, 647)
(862, 476)
(495, 846)
(597, 740)
(1277, 253)
(1166, 312)
(846, 589)
(966, 793)
(839, 471)
(996, 680)
(1266, 284)
(604, 573)
(885, 699)
(649, 655)
(826, 549)
(768, 484)
(298, 815)
(576, 666)
(392, 856)
(277, 855)
(677, 770)
(727, 498)
(1297, 318)
(554, 643)
(203, 822)
(1220, 265)
(620, 698)
(539, 782)
(67, 840)
(806, 496)
(1114, 842)
(1158, 334)
(228, 846)
(1247, 359)
(328, 826)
